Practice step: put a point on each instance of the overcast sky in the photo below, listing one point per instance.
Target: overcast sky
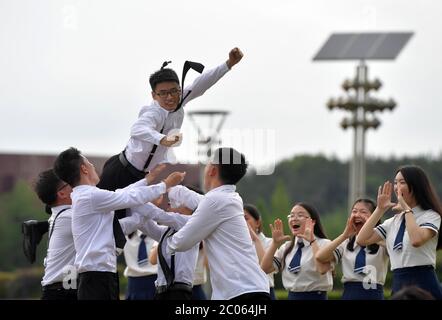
(75, 73)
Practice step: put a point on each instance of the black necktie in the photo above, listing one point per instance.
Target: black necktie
(120, 239)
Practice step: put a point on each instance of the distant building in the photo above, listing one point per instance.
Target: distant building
(15, 167)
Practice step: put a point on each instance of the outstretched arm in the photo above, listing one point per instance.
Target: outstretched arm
(210, 77)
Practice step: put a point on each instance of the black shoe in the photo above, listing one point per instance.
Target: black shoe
(33, 232)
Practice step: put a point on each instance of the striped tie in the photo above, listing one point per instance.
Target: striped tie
(400, 236)
(295, 264)
(360, 261)
(142, 251)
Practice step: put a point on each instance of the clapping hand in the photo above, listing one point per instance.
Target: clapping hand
(278, 233)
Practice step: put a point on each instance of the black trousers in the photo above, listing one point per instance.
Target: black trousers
(173, 295)
(116, 176)
(252, 296)
(58, 293)
(177, 291)
(96, 285)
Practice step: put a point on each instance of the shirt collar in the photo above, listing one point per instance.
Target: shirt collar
(57, 209)
(223, 188)
(417, 209)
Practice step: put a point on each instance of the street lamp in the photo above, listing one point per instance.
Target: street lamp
(362, 47)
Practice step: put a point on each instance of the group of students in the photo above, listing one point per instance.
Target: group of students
(409, 241)
(93, 219)
(96, 215)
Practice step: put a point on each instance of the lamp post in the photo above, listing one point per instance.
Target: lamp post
(362, 108)
(361, 47)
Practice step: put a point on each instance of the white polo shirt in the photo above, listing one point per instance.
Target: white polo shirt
(377, 264)
(145, 132)
(233, 262)
(131, 257)
(92, 221)
(61, 250)
(410, 256)
(307, 279)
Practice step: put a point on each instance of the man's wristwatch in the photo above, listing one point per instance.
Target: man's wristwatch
(406, 211)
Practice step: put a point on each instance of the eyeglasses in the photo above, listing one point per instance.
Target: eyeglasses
(63, 186)
(300, 216)
(173, 92)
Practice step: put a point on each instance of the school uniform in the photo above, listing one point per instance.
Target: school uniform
(233, 262)
(410, 265)
(60, 257)
(140, 273)
(176, 273)
(299, 275)
(266, 241)
(129, 166)
(92, 229)
(363, 273)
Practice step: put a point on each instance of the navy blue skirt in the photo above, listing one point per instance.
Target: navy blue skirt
(356, 291)
(308, 295)
(141, 288)
(423, 277)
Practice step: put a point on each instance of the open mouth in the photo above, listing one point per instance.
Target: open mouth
(359, 223)
(295, 227)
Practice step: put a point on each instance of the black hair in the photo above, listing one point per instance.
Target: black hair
(163, 75)
(67, 166)
(424, 193)
(46, 187)
(374, 247)
(412, 293)
(253, 211)
(318, 230)
(231, 163)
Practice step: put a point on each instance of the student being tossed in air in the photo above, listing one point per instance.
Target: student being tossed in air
(158, 123)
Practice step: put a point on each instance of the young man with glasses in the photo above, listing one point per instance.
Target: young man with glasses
(153, 132)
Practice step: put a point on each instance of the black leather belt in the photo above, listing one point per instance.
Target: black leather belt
(176, 286)
(134, 171)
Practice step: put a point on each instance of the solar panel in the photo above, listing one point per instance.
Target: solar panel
(363, 46)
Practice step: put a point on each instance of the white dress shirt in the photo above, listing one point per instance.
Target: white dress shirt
(92, 221)
(145, 133)
(377, 263)
(61, 250)
(133, 269)
(233, 262)
(410, 256)
(185, 262)
(307, 279)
